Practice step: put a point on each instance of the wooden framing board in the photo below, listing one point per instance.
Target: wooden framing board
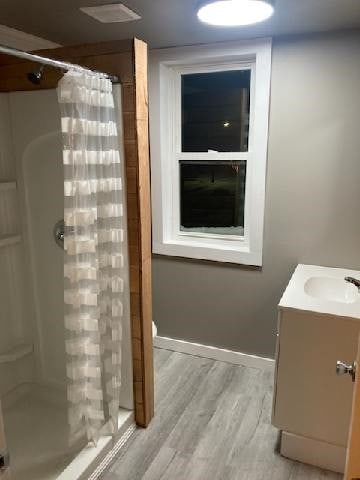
(127, 59)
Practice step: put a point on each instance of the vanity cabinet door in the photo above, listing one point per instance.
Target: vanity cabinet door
(352, 471)
(308, 393)
(4, 469)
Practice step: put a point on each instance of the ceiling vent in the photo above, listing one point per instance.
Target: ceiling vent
(114, 13)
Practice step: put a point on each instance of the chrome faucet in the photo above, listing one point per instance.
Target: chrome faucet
(354, 281)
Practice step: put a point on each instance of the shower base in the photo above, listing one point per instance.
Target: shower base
(36, 432)
(36, 435)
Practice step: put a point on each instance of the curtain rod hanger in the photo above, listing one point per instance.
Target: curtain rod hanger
(53, 63)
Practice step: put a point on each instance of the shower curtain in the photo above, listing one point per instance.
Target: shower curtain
(93, 258)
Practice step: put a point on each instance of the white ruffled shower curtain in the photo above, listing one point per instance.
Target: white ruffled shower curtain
(94, 258)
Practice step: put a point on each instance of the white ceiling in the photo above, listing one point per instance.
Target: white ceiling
(170, 22)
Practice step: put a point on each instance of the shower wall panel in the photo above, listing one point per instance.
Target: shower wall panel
(38, 152)
(16, 312)
(37, 144)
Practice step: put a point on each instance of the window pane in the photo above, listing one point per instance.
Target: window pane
(215, 111)
(212, 197)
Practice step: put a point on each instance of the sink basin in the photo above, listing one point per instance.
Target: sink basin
(331, 289)
(323, 290)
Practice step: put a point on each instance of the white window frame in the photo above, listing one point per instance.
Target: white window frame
(166, 68)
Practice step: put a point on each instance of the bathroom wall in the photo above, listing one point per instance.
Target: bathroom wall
(312, 202)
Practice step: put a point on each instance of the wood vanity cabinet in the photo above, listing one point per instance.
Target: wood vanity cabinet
(312, 405)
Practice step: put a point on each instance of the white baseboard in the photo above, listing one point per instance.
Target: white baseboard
(314, 452)
(214, 353)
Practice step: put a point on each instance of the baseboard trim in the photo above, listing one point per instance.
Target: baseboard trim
(214, 353)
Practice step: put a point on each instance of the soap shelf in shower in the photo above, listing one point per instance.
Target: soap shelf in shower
(6, 240)
(6, 186)
(17, 352)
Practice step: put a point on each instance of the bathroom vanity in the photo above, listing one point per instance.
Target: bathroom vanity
(319, 324)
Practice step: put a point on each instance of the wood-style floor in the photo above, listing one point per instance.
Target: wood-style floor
(212, 422)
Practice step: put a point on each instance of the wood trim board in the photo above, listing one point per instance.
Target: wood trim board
(127, 59)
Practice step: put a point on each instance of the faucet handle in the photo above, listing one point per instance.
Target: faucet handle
(354, 281)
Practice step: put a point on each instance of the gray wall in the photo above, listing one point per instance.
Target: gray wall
(312, 203)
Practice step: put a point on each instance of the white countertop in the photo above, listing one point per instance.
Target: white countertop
(296, 297)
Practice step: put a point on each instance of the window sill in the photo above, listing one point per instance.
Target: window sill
(225, 253)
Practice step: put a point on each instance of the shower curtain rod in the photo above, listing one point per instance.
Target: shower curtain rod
(53, 63)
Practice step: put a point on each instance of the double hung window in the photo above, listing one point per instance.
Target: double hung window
(209, 124)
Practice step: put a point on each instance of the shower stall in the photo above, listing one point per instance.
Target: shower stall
(34, 368)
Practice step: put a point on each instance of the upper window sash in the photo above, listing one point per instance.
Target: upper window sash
(176, 87)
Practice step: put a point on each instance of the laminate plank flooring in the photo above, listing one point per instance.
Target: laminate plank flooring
(212, 422)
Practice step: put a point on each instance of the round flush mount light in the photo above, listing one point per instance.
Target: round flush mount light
(232, 13)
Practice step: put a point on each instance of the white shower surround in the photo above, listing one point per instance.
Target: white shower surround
(37, 145)
(16, 358)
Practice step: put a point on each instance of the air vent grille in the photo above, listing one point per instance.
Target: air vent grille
(113, 13)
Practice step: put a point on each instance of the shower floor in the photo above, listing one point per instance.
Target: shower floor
(37, 438)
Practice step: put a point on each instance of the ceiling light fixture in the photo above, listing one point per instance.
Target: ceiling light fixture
(232, 13)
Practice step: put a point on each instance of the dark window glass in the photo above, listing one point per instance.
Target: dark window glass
(215, 111)
(213, 196)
